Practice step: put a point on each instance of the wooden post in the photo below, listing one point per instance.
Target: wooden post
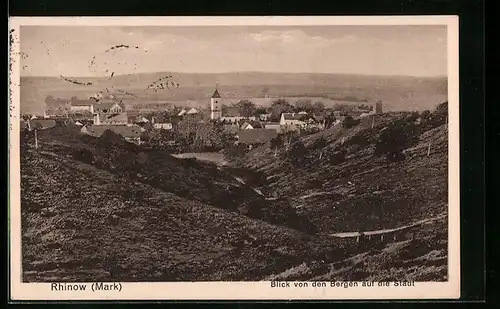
(429, 149)
(36, 139)
(373, 122)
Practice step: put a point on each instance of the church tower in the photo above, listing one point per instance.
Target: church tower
(215, 105)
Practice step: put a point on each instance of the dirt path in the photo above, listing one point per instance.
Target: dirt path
(386, 231)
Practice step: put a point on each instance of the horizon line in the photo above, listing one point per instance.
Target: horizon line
(243, 72)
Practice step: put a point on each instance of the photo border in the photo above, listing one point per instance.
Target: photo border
(450, 130)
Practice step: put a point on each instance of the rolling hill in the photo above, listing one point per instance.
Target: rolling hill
(397, 92)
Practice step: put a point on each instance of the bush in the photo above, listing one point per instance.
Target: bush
(337, 157)
(297, 153)
(395, 138)
(350, 122)
(83, 155)
(234, 152)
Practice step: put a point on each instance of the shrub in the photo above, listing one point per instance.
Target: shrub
(83, 155)
(350, 122)
(395, 138)
(337, 157)
(297, 153)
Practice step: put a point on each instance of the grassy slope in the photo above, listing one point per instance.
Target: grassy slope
(81, 223)
(365, 191)
(187, 178)
(123, 228)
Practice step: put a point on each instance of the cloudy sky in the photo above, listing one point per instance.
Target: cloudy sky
(383, 50)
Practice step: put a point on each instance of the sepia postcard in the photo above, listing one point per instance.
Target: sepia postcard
(234, 158)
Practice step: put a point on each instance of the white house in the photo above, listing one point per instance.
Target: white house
(109, 108)
(192, 111)
(292, 119)
(165, 126)
(82, 106)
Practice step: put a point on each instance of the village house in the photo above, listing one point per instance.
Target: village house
(41, 124)
(236, 119)
(109, 108)
(293, 121)
(265, 117)
(131, 134)
(249, 125)
(192, 111)
(82, 106)
(252, 138)
(273, 125)
(114, 119)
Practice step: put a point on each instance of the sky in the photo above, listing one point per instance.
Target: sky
(374, 50)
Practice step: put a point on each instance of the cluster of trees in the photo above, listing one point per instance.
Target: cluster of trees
(190, 135)
(404, 133)
(247, 108)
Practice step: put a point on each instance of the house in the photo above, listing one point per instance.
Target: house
(113, 119)
(109, 108)
(293, 121)
(273, 125)
(131, 134)
(82, 106)
(256, 136)
(236, 119)
(192, 111)
(41, 124)
(249, 125)
(164, 121)
(164, 126)
(288, 119)
(264, 117)
(62, 121)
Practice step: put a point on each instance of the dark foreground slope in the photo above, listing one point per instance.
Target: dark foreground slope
(91, 225)
(80, 223)
(187, 178)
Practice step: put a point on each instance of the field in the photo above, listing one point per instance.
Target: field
(396, 92)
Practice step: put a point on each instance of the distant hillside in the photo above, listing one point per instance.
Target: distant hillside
(397, 92)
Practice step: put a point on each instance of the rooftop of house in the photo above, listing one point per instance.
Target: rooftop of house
(125, 131)
(253, 123)
(122, 118)
(42, 123)
(108, 105)
(294, 116)
(87, 102)
(256, 136)
(271, 124)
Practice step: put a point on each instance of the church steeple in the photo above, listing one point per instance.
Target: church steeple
(215, 104)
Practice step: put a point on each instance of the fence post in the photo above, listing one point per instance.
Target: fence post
(429, 149)
(36, 139)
